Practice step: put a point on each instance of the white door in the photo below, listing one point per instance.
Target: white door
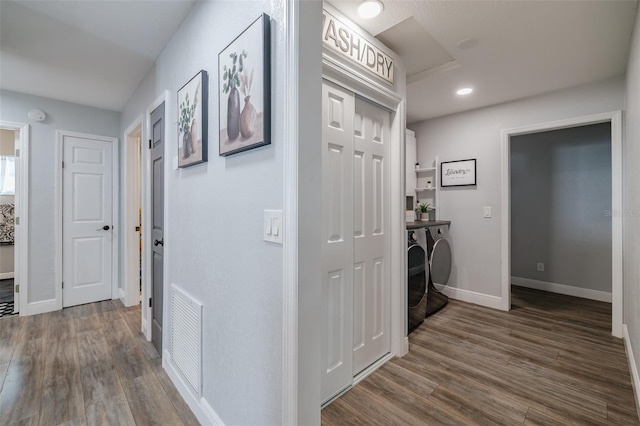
(356, 247)
(87, 226)
(337, 240)
(371, 210)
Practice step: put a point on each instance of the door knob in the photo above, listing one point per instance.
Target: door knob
(158, 242)
(104, 228)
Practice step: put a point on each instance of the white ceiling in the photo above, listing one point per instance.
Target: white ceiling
(96, 52)
(89, 52)
(524, 47)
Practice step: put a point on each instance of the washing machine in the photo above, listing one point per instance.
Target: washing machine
(439, 260)
(417, 278)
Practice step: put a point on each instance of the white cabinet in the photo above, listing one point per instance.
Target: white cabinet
(410, 146)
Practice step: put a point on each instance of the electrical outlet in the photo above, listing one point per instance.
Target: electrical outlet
(541, 267)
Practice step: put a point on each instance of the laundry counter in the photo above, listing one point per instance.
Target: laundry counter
(427, 223)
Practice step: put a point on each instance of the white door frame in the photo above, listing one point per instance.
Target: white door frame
(146, 218)
(21, 246)
(132, 168)
(301, 367)
(615, 118)
(115, 251)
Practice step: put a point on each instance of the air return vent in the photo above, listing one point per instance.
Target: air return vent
(186, 337)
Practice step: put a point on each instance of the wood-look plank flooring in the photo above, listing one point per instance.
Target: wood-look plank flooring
(551, 360)
(86, 365)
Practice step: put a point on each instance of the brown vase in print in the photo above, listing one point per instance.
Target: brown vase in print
(248, 119)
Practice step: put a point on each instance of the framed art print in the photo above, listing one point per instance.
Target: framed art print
(192, 121)
(458, 173)
(244, 90)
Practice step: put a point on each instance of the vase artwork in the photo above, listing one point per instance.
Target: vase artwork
(239, 124)
(186, 123)
(249, 114)
(233, 114)
(192, 128)
(243, 82)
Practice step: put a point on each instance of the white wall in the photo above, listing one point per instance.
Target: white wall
(476, 134)
(561, 206)
(60, 116)
(213, 243)
(632, 199)
(309, 204)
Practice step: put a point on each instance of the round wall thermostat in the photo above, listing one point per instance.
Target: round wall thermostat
(37, 115)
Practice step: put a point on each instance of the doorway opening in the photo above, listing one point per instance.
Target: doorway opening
(131, 290)
(562, 206)
(14, 177)
(9, 140)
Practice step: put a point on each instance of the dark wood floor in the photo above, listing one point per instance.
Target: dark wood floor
(86, 365)
(550, 361)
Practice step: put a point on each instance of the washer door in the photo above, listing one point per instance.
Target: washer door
(440, 261)
(418, 275)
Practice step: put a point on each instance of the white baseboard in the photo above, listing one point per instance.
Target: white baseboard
(7, 275)
(42, 307)
(633, 366)
(200, 407)
(481, 299)
(121, 295)
(585, 293)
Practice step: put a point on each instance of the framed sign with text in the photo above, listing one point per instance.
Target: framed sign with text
(458, 173)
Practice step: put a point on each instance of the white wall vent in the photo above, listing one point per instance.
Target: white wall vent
(186, 337)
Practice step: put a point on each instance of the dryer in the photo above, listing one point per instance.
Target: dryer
(439, 260)
(428, 262)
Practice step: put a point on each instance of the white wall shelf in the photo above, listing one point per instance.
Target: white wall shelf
(417, 178)
(429, 195)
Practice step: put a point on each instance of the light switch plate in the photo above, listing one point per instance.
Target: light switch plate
(487, 212)
(273, 226)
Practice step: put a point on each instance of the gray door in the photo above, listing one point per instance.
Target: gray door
(157, 223)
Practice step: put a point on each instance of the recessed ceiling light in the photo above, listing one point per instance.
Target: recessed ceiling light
(464, 91)
(370, 9)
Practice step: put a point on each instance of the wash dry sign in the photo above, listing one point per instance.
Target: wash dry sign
(340, 38)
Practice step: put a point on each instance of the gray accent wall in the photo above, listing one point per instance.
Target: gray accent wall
(561, 206)
(477, 134)
(631, 200)
(61, 115)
